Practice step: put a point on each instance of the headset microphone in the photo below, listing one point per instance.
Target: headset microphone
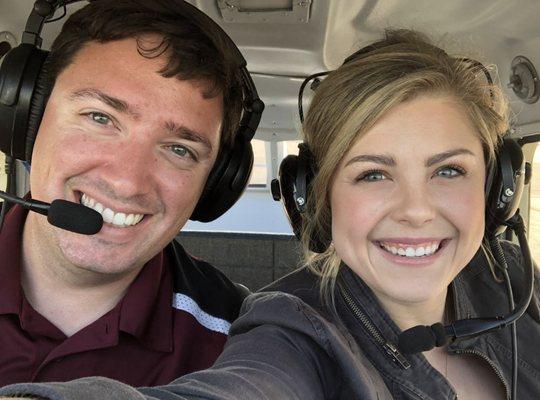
(63, 214)
(423, 338)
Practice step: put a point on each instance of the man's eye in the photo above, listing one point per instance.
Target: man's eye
(450, 171)
(182, 151)
(371, 176)
(100, 118)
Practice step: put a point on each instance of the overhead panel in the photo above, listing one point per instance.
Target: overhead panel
(265, 11)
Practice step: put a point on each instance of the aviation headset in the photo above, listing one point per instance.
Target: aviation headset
(506, 176)
(24, 90)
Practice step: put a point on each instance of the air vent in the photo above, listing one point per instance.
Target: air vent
(524, 80)
(7, 42)
(265, 11)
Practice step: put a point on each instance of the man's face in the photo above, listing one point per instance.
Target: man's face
(117, 133)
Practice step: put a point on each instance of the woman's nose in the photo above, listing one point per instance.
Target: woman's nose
(414, 205)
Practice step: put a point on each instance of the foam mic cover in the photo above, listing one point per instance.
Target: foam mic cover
(422, 338)
(440, 335)
(74, 217)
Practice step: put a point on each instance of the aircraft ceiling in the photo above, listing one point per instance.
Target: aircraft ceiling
(285, 40)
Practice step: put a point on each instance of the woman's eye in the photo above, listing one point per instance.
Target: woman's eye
(450, 172)
(182, 151)
(372, 176)
(100, 118)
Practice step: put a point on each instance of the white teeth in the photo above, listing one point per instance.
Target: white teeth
(410, 251)
(111, 217)
(108, 215)
(119, 219)
(129, 219)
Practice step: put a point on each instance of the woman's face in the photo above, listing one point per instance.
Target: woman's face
(408, 200)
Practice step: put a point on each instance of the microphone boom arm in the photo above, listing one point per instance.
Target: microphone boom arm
(34, 205)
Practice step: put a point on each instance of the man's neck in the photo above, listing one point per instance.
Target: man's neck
(69, 297)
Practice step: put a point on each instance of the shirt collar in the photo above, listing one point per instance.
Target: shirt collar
(10, 262)
(146, 310)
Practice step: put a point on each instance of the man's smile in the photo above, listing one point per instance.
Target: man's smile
(116, 218)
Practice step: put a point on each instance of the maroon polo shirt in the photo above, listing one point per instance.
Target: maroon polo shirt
(151, 337)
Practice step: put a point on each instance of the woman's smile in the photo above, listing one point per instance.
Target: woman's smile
(411, 251)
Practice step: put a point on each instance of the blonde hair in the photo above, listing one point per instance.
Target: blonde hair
(401, 66)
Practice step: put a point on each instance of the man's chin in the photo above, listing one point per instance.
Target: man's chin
(92, 262)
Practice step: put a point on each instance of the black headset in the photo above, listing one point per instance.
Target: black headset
(506, 176)
(24, 90)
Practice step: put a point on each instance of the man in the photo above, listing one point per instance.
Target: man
(141, 101)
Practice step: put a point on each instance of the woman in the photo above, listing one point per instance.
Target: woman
(401, 136)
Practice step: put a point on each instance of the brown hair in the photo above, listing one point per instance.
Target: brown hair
(401, 66)
(193, 52)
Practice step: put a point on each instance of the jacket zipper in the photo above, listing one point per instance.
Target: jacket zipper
(491, 364)
(390, 348)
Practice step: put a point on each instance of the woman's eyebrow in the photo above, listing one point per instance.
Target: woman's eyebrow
(437, 158)
(389, 161)
(374, 158)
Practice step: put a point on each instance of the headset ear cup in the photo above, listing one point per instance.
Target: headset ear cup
(294, 172)
(18, 76)
(507, 182)
(288, 169)
(320, 237)
(42, 90)
(226, 182)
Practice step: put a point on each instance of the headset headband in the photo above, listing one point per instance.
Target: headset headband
(25, 86)
(253, 106)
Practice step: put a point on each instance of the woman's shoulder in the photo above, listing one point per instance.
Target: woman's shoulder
(288, 310)
(512, 253)
(303, 284)
(481, 284)
(299, 282)
(516, 269)
(292, 303)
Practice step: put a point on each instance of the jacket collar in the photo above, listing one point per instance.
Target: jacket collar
(475, 293)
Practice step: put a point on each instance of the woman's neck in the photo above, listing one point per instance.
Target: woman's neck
(409, 314)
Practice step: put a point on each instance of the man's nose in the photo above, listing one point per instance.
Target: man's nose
(129, 168)
(414, 205)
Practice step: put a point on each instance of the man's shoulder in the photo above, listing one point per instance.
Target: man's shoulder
(204, 284)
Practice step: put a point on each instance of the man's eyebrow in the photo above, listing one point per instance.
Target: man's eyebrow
(437, 158)
(374, 158)
(184, 132)
(116, 103)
